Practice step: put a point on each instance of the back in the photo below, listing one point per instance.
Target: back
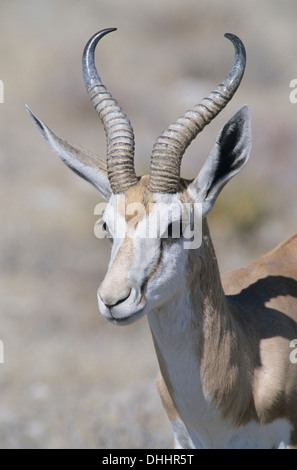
(265, 293)
(269, 283)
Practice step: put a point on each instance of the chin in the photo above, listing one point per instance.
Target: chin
(116, 319)
(127, 320)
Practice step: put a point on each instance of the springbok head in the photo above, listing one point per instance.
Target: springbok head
(146, 271)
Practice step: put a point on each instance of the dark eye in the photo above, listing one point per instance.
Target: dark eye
(108, 234)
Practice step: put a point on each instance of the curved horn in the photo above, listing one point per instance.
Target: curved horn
(118, 130)
(171, 145)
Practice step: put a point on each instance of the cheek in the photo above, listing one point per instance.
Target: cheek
(170, 275)
(174, 261)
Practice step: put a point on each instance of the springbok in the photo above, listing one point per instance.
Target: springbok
(223, 344)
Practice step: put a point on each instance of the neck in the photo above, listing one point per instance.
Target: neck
(201, 341)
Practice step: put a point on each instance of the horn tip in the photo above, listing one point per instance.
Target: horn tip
(235, 40)
(230, 36)
(104, 31)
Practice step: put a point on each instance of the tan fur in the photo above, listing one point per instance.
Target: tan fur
(244, 323)
(136, 194)
(166, 399)
(267, 292)
(219, 341)
(116, 275)
(243, 348)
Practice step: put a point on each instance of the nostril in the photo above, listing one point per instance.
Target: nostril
(111, 300)
(119, 301)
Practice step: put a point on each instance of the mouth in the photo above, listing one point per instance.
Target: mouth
(122, 321)
(120, 314)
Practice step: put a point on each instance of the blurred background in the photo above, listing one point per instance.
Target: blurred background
(70, 380)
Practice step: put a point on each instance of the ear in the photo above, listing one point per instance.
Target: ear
(88, 166)
(229, 154)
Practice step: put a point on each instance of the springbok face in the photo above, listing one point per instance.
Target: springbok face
(148, 233)
(144, 255)
(150, 219)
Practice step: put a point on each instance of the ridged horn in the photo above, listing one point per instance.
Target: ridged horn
(118, 130)
(170, 146)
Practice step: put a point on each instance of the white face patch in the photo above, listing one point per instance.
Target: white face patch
(136, 280)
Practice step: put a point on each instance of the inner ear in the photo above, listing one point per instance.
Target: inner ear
(226, 160)
(229, 154)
